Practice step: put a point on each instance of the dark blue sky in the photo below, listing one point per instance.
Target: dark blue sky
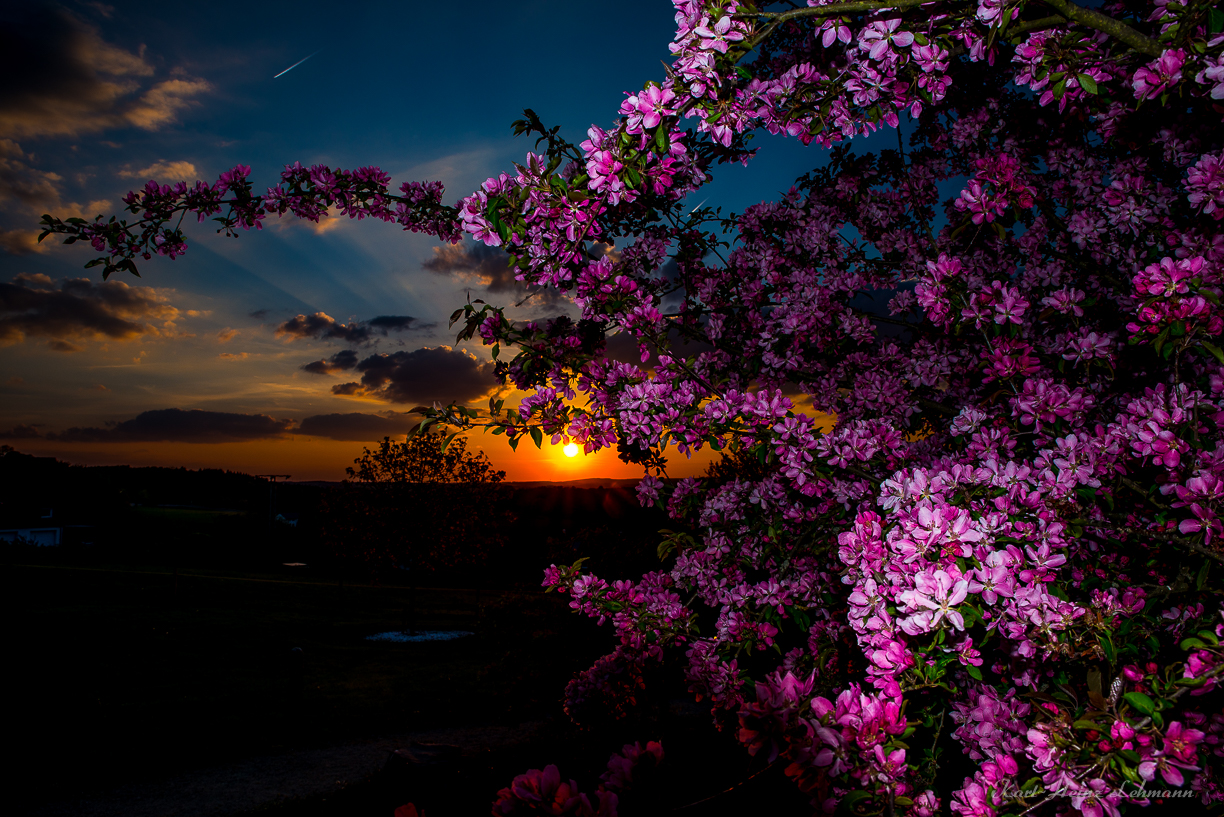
(97, 98)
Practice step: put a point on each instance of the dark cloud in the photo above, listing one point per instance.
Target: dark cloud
(440, 374)
(21, 432)
(392, 323)
(489, 265)
(358, 427)
(341, 361)
(79, 308)
(64, 346)
(177, 425)
(490, 268)
(62, 79)
(259, 314)
(324, 327)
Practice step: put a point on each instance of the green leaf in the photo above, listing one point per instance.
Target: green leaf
(1088, 84)
(1200, 581)
(1209, 637)
(1215, 21)
(1083, 724)
(1161, 339)
(1193, 644)
(537, 436)
(1140, 702)
(974, 672)
(847, 804)
(1190, 682)
(1215, 350)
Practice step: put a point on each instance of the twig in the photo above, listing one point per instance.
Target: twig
(727, 790)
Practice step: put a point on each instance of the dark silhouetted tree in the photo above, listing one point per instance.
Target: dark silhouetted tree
(421, 505)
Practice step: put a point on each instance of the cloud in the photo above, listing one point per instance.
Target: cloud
(64, 346)
(259, 314)
(232, 356)
(178, 425)
(102, 9)
(358, 427)
(342, 361)
(423, 376)
(79, 309)
(22, 183)
(20, 242)
(227, 334)
(26, 189)
(62, 79)
(392, 323)
(21, 432)
(324, 327)
(165, 172)
(490, 268)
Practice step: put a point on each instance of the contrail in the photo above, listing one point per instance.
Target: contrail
(690, 212)
(295, 65)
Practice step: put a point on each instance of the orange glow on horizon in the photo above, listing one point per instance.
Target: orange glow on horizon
(314, 458)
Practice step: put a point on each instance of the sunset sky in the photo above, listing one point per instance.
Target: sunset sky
(255, 332)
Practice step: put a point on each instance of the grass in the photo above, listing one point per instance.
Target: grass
(150, 673)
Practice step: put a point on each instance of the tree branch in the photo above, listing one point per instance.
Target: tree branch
(1170, 538)
(1034, 25)
(1114, 28)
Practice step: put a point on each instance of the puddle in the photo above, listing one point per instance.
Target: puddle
(420, 635)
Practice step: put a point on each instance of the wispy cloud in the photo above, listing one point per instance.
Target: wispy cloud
(165, 172)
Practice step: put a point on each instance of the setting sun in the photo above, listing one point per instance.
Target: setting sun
(571, 450)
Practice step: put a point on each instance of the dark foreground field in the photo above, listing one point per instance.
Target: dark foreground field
(119, 677)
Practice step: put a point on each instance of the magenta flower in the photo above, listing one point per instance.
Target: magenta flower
(1159, 75)
(939, 593)
(719, 36)
(881, 37)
